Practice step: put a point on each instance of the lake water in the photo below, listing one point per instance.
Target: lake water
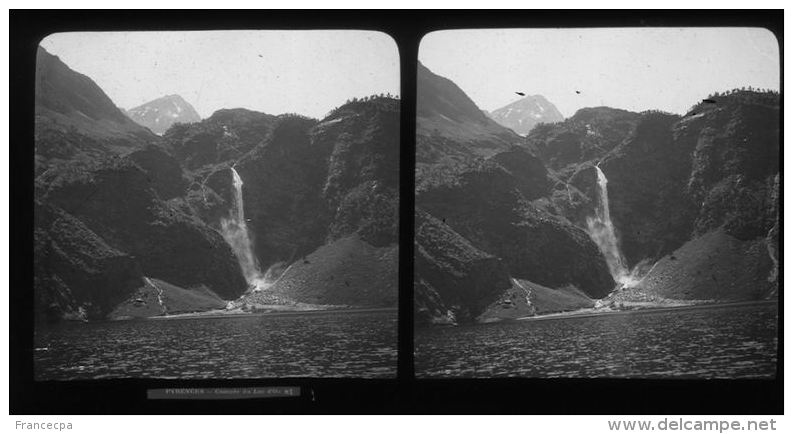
(712, 342)
(327, 344)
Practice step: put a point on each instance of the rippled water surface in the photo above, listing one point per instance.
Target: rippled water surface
(713, 342)
(328, 344)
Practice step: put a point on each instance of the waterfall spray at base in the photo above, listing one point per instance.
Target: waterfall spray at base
(235, 232)
(601, 230)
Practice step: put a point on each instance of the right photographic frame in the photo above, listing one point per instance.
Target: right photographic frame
(597, 203)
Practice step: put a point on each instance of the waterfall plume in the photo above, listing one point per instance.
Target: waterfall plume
(235, 232)
(601, 230)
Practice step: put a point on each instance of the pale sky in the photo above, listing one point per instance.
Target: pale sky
(306, 72)
(635, 69)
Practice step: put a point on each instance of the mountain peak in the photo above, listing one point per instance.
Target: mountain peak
(522, 115)
(160, 114)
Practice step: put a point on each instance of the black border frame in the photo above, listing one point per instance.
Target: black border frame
(405, 394)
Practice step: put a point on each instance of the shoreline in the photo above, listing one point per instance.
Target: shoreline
(592, 312)
(275, 312)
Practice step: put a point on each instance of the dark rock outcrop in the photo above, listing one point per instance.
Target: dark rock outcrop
(533, 179)
(223, 138)
(77, 274)
(587, 135)
(165, 241)
(282, 192)
(483, 203)
(647, 175)
(163, 173)
(453, 280)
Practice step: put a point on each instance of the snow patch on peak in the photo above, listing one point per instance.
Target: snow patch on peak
(522, 115)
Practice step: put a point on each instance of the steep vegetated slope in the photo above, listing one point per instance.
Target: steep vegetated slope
(75, 120)
(450, 127)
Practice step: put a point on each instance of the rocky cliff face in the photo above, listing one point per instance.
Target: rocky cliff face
(307, 184)
(77, 274)
(586, 136)
(226, 136)
(673, 180)
(483, 203)
(676, 178)
(524, 114)
(647, 175)
(162, 238)
(162, 113)
(532, 178)
(454, 280)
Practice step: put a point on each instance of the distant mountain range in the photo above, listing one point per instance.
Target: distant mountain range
(522, 115)
(162, 113)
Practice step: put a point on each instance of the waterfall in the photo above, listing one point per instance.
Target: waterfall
(159, 294)
(601, 230)
(235, 232)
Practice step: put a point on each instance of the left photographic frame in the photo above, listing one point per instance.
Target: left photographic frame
(216, 205)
